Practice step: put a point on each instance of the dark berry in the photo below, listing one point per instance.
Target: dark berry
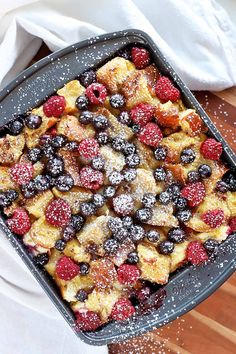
(60, 244)
(176, 235)
(187, 156)
(115, 178)
(133, 258)
(87, 209)
(64, 183)
(127, 221)
(72, 146)
(84, 268)
(129, 174)
(41, 259)
(98, 200)
(98, 163)
(164, 197)
(129, 149)
(160, 174)
(173, 190)
(48, 150)
(166, 247)
(222, 187)
(193, 176)
(110, 246)
(15, 127)
(137, 233)
(11, 195)
(55, 166)
(143, 215)
(124, 118)
(34, 154)
(230, 179)
(33, 122)
(86, 117)
(42, 183)
(100, 122)
(109, 191)
(184, 215)
(180, 203)
(118, 143)
(160, 153)
(121, 234)
(58, 141)
(211, 246)
(117, 100)
(102, 138)
(153, 235)
(132, 160)
(114, 224)
(124, 53)
(4, 201)
(77, 221)
(87, 78)
(68, 233)
(149, 200)
(204, 171)
(29, 190)
(82, 102)
(136, 128)
(81, 295)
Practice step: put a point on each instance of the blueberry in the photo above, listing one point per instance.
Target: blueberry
(109, 191)
(33, 122)
(68, 233)
(100, 122)
(98, 200)
(114, 224)
(121, 234)
(149, 200)
(187, 156)
(164, 197)
(137, 233)
(115, 178)
(124, 118)
(129, 174)
(59, 141)
(4, 201)
(129, 149)
(124, 53)
(136, 128)
(160, 153)
(117, 100)
(77, 221)
(87, 209)
(29, 190)
(132, 160)
(204, 171)
(173, 190)
(42, 183)
(133, 258)
(184, 215)
(166, 247)
(15, 127)
(160, 174)
(211, 246)
(98, 163)
(222, 187)
(193, 176)
(143, 215)
(41, 259)
(110, 246)
(72, 146)
(176, 235)
(180, 203)
(230, 179)
(55, 166)
(127, 222)
(64, 183)
(102, 138)
(81, 295)
(86, 117)
(48, 150)
(84, 268)
(60, 245)
(153, 235)
(11, 195)
(87, 77)
(82, 102)
(34, 154)
(118, 143)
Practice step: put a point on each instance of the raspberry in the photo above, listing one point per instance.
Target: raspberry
(194, 193)
(91, 178)
(22, 173)
(87, 320)
(89, 148)
(232, 224)
(54, 106)
(128, 274)
(140, 57)
(150, 135)
(19, 223)
(122, 310)
(58, 212)
(142, 114)
(213, 218)
(196, 253)
(211, 149)
(66, 269)
(166, 91)
(96, 93)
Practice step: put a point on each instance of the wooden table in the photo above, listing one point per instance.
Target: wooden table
(211, 327)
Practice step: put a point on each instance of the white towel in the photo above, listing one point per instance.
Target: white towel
(198, 39)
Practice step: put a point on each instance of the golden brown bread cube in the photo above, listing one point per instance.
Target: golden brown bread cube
(44, 234)
(34, 248)
(175, 143)
(73, 197)
(95, 231)
(71, 91)
(36, 206)
(114, 160)
(154, 267)
(147, 160)
(70, 127)
(167, 115)
(178, 256)
(11, 148)
(231, 202)
(144, 183)
(70, 288)
(163, 216)
(51, 265)
(5, 179)
(220, 234)
(114, 73)
(191, 123)
(76, 251)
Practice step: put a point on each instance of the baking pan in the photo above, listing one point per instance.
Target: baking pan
(188, 286)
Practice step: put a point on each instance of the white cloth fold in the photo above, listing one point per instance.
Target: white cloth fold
(198, 39)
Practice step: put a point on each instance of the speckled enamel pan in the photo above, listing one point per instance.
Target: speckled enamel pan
(188, 286)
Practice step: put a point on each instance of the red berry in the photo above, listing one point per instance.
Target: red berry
(150, 135)
(196, 253)
(91, 178)
(54, 106)
(89, 148)
(194, 193)
(142, 113)
(213, 218)
(140, 57)
(58, 212)
(128, 274)
(211, 149)
(143, 294)
(22, 173)
(96, 93)
(19, 223)
(122, 310)
(87, 320)
(166, 91)
(66, 268)
(232, 224)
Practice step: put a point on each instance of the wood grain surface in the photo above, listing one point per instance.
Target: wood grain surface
(211, 327)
